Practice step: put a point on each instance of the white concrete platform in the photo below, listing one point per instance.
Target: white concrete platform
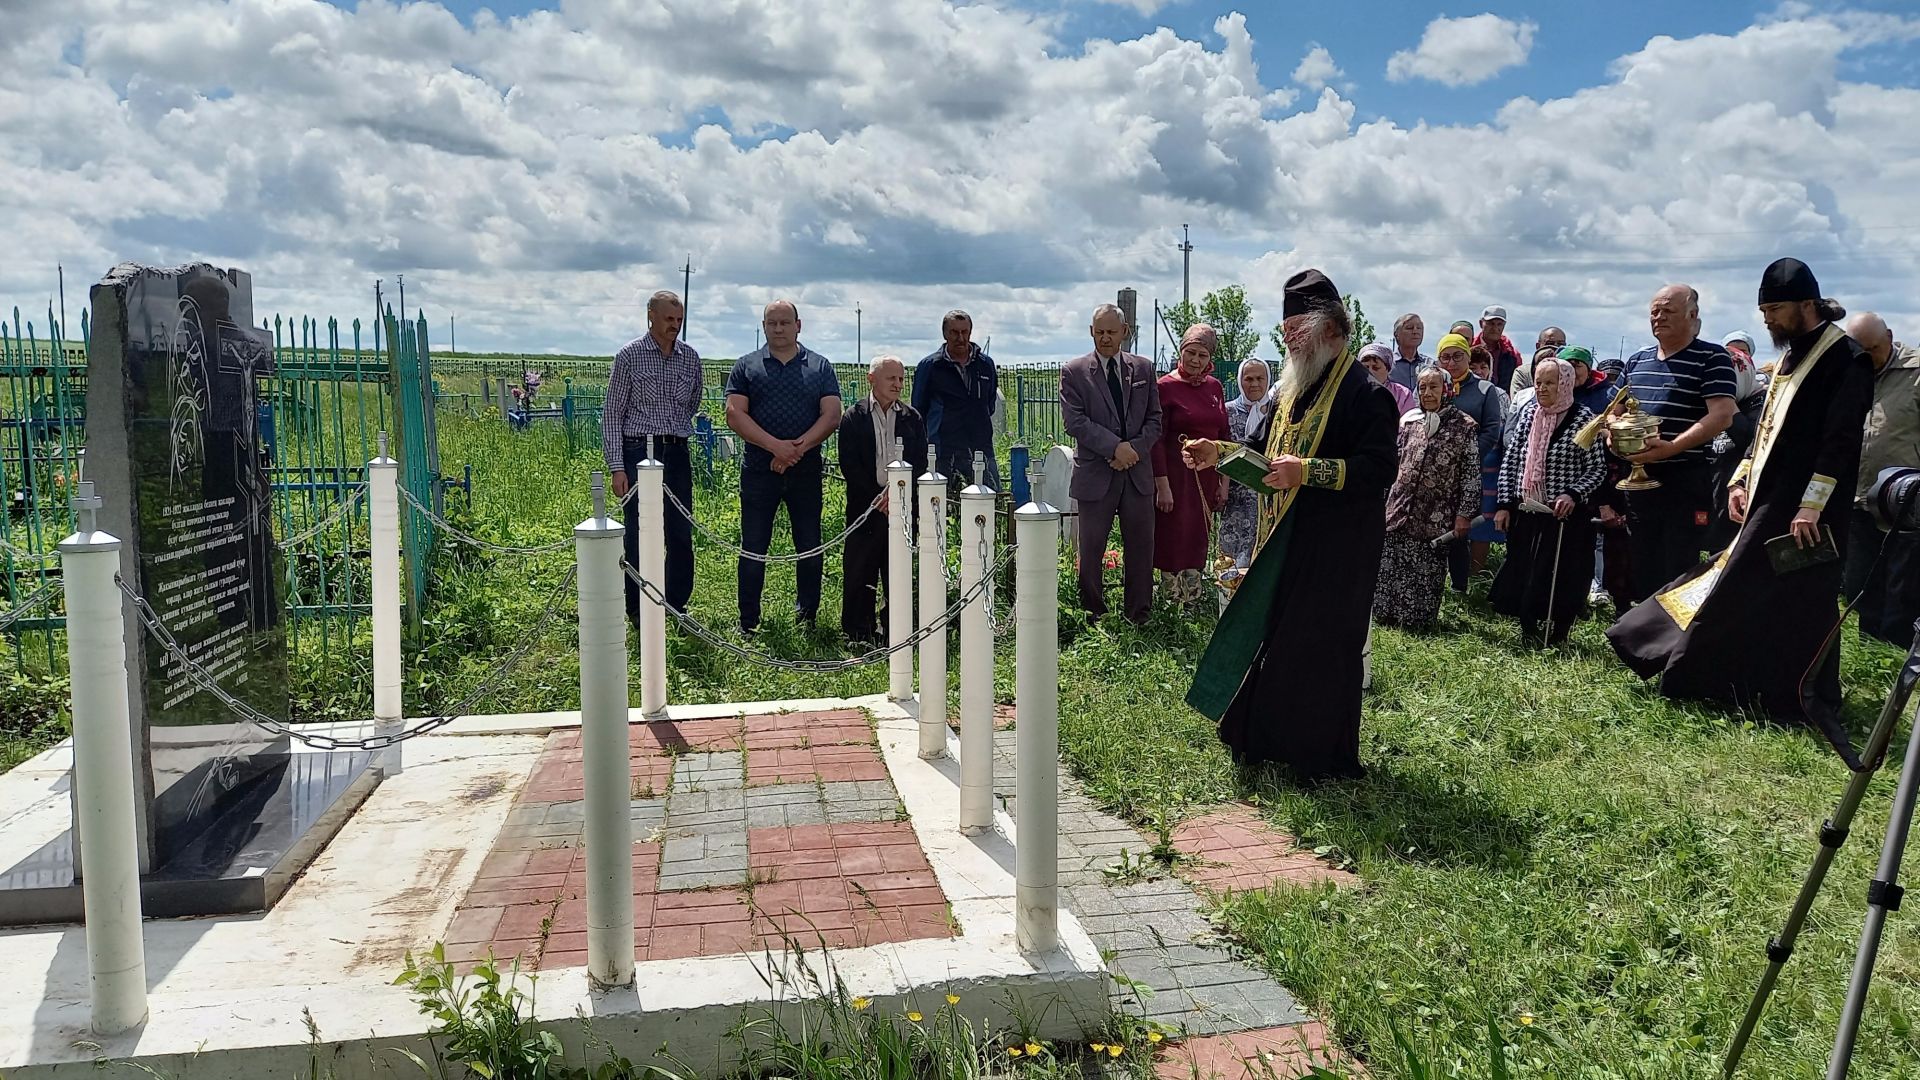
(227, 995)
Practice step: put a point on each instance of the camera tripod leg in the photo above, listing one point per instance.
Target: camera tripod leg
(1883, 896)
(1833, 833)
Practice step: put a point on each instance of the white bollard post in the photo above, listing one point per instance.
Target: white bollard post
(899, 574)
(976, 656)
(383, 526)
(652, 483)
(1036, 693)
(103, 771)
(930, 533)
(597, 544)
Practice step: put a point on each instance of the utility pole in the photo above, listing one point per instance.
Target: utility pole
(451, 340)
(686, 286)
(1186, 267)
(402, 279)
(859, 351)
(379, 311)
(62, 272)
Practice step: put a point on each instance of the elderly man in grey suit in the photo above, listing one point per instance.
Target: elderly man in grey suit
(1111, 403)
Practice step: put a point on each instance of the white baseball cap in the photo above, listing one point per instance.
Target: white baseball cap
(1494, 311)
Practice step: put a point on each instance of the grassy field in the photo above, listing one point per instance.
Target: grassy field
(1544, 845)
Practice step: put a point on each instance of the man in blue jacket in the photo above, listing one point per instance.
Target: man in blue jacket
(954, 389)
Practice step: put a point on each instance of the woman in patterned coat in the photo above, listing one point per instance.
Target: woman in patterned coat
(1435, 493)
(1547, 485)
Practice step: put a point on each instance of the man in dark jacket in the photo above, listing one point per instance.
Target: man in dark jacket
(870, 435)
(954, 390)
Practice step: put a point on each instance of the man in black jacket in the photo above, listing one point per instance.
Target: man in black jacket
(866, 447)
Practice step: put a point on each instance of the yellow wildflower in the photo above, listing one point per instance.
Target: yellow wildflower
(1154, 1036)
(861, 1003)
(1526, 1019)
(1098, 1048)
(1033, 1049)
(914, 1016)
(953, 999)
(1115, 1050)
(1013, 1051)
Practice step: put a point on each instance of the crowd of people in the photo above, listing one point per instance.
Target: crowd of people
(1390, 475)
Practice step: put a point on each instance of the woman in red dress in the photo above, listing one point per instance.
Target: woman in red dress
(1191, 407)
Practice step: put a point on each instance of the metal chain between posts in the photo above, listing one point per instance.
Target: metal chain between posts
(874, 656)
(471, 540)
(205, 680)
(33, 603)
(339, 513)
(758, 557)
(994, 625)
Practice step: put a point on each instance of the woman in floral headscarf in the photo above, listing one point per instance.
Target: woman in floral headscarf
(1191, 407)
(1435, 494)
(1547, 486)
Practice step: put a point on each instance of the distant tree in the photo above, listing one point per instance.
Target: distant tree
(1227, 311)
(1362, 330)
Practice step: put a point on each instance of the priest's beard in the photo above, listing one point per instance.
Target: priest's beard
(1304, 368)
(1784, 333)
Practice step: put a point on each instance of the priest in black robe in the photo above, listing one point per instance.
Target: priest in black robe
(1283, 673)
(1736, 629)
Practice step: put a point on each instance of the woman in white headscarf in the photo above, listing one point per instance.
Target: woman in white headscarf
(1244, 413)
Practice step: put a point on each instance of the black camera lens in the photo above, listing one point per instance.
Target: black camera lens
(1894, 499)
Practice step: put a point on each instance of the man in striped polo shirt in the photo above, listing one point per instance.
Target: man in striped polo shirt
(1689, 384)
(654, 390)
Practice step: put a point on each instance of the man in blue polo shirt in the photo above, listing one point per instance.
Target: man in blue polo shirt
(954, 389)
(1689, 384)
(784, 400)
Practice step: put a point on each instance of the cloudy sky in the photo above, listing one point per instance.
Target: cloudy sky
(536, 167)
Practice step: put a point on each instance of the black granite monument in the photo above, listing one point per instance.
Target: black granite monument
(228, 811)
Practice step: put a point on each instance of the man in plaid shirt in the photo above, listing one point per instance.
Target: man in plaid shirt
(655, 390)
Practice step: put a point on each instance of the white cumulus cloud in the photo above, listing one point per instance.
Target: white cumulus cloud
(1465, 51)
(540, 175)
(1316, 69)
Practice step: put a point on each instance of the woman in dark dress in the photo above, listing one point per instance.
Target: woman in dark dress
(1547, 485)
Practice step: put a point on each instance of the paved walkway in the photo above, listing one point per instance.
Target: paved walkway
(747, 830)
(1236, 1020)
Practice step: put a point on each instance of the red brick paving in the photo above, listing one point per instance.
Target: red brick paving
(1282, 1053)
(1235, 850)
(843, 885)
(826, 763)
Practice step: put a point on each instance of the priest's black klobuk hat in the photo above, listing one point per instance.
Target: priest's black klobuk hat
(1309, 290)
(1788, 280)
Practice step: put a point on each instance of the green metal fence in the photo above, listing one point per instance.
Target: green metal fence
(322, 410)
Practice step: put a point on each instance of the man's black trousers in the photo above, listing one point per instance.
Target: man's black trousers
(1668, 525)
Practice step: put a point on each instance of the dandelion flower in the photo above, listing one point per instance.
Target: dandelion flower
(1013, 1051)
(861, 1003)
(1115, 1050)
(1154, 1036)
(1098, 1048)
(1526, 1019)
(1033, 1049)
(915, 1017)
(953, 999)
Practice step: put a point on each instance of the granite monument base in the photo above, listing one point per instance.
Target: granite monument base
(246, 856)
